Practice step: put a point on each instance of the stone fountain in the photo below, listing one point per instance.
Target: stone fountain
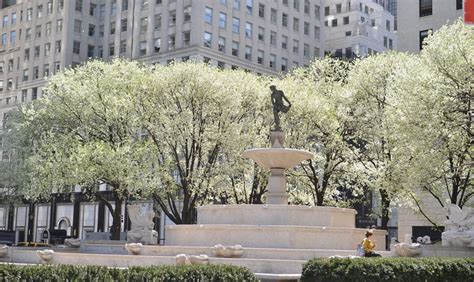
(276, 224)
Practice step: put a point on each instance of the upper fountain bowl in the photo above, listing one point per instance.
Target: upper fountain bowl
(277, 157)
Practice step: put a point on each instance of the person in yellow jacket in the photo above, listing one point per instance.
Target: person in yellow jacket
(368, 245)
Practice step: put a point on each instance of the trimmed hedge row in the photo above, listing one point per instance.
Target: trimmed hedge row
(389, 269)
(10, 272)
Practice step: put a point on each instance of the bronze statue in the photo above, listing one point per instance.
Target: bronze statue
(278, 106)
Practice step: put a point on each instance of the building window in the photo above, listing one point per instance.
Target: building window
(90, 51)
(187, 38)
(57, 67)
(172, 18)
(235, 25)
(273, 16)
(157, 20)
(338, 8)
(306, 7)
(24, 95)
(26, 56)
(249, 6)
(261, 10)
(142, 48)
(13, 18)
(390, 44)
(348, 52)
(46, 70)
(4, 39)
(10, 65)
(385, 41)
(317, 12)
(112, 28)
(236, 4)
(79, 6)
(123, 25)
(111, 49)
(221, 44)
(426, 8)
(57, 47)
(25, 74)
(59, 25)
(296, 46)
(157, 45)
(29, 14)
(77, 26)
(34, 93)
(171, 42)
(326, 11)
(306, 50)
(124, 5)
(48, 28)
(208, 15)
(207, 39)
(47, 49)
(76, 47)
(296, 4)
(248, 30)
(273, 38)
(235, 48)
(123, 46)
(260, 55)
(348, 33)
(5, 20)
(296, 24)
(248, 53)
(387, 25)
(187, 14)
(284, 64)
(261, 33)
(36, 53)
(222, 20)
(27, 35)
(334, 23)
(284, 42)
(143, 25)
(272, 61)
(284, 20)
(35, 72)
(459, 4)
(144, 4)
(423, 35)
(12, 38)
(345, 20)
(306, 28)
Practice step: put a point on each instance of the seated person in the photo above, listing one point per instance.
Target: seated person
(368, 245)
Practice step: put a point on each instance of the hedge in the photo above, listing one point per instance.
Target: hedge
(11, 272)
(389, 269)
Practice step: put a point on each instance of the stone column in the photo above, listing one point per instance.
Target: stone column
(276, 190)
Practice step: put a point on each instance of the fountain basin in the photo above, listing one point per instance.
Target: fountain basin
(276, 215)
(277, 157)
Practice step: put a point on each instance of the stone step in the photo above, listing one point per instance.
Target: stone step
(272, 266)
(256, 253)
(270, 236)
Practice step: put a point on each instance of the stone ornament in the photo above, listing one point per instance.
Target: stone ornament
(426, 240)
(46, 256)
(459, 227)
(344, 257)
(72, 243)
(134, 248)
(228, 251)
(3, 251)
(142, 226)
(183, 259)
(406, 250)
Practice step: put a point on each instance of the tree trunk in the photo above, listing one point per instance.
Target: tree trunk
(385, 204)
(117, 222)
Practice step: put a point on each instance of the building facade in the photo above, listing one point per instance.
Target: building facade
(358, 28)
(42, 37)
(423, 16)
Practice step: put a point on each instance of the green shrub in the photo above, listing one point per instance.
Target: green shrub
(10, 272)
(389, 269)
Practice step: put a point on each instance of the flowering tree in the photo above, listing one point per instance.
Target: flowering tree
(197, 119)
(372, 136)
(317, 122)
(435, 116)
(83, 132)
